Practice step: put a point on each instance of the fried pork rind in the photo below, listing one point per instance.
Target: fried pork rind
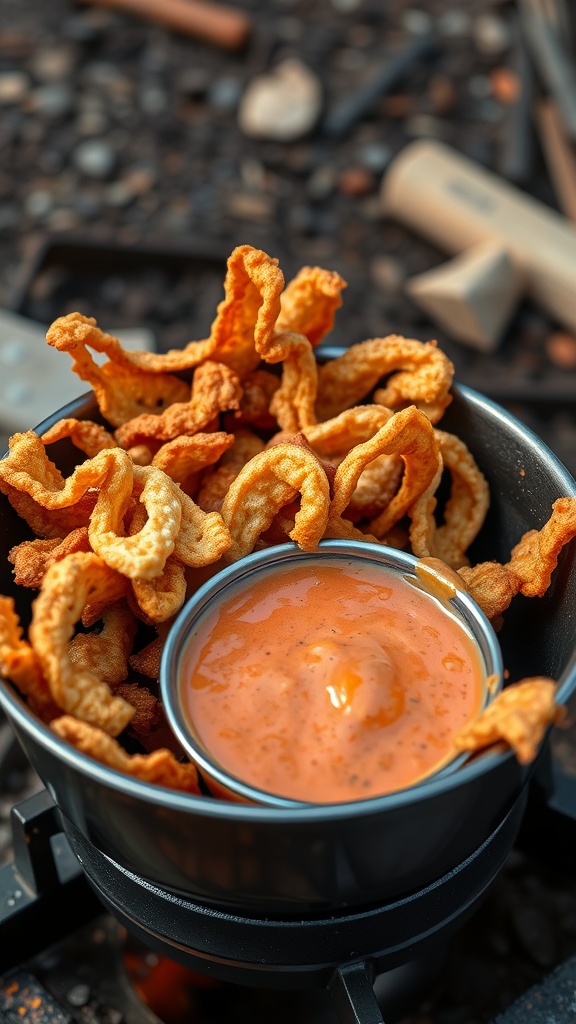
(66, 589)
(409, 434)
(293, 403)
(519, 716)
(422, 376)
(309, 302)
(89, 437)
(50, 523)
(334, 438)
(185, 456)
(160, 767)
(19, 663)
(215, 389)
(32, 558)
(122, 390)
(269, 481)
(105, 653)
(258, 389)
(531, 564)
(147, 708)
(203, 537)
(465, 509)
(147, 661)
(216, 483)
(247, 316)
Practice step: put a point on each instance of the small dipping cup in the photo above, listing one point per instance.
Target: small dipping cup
(189, 631)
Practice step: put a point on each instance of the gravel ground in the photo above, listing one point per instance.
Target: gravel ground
(117, 132)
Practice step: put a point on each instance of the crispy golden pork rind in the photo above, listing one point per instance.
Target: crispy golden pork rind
(19, 663)
(122, 390)
(203, 537)
(32, 558)
(258, 390)
(148, 712)
(293, 403)
(185, 456)
(159, 767)
(465, 510)
(519, 716)
(246, 317)
(408, 434)
(89, 437)
(216, 482)
(50, 523)
(264, 485)
(66, 589)
(309, 302)
(421, 376)
(105, 653)
(334, 438)
(531, 564)
(147, 660)
(215, 389)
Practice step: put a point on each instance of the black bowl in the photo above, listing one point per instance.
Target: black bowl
(313, 860)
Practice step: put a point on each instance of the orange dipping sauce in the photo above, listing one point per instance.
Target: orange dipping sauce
(329, 683)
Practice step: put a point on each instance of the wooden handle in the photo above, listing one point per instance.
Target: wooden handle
(212, 22)
(456, 203)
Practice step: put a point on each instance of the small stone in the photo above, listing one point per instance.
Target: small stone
(505, 84)
(224, 94)
(79, 995)
(375, 155)
(153, 100)
(250, 206)
(388, 274)
(94, 158)
(491, 34)
(442, 94)
(118, 194)
(39, 203)
(53, 101)
(321, 182)
(91, 122)
(14, 87)
(54, 64)
(284, 105)
(355, 181)
(454, 22)
(417, 22)
(561, 350)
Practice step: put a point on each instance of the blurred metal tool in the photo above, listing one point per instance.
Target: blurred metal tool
(516, 150)
(338, 123)
(557, 72)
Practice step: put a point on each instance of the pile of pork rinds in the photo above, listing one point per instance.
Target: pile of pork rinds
(186, 477)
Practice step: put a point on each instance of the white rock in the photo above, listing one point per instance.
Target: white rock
(283, 105)
(14, 86)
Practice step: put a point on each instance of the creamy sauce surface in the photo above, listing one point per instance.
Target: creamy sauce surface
(328, 683)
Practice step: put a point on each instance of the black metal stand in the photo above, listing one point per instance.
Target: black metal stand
(44, 895)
